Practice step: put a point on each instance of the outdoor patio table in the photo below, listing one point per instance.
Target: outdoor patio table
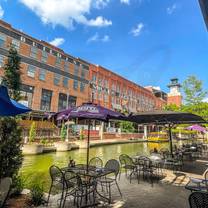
(92, 173)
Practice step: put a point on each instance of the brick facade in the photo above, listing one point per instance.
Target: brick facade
(50, 77)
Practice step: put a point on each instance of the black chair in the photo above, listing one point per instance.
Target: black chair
(198, 184)
(127, 163)
(146, 166)
(114, 166)
(97, 162)
(198, 200)
(57, 182)
(81, 190)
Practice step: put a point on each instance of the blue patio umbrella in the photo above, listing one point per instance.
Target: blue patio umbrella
(9, 107)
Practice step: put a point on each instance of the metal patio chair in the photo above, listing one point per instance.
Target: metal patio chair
(57, 182)
(198, 184)
(108, 181)
(128, 164)
(96, 161)
(198, 200)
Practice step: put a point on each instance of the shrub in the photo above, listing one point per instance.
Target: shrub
(11, 154)
(17, 184)
(63, 132)
(37, 194)
(32, 133)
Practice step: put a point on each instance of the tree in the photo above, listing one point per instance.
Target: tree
(10, 133)
(171, 107)
(127, 127)
(194, 93)
(63, 132)
(11, 78)
(32, 133)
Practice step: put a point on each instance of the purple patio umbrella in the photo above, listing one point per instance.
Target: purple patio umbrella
(197, 128)
(90, 111)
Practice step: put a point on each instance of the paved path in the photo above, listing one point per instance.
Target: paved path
(144, 195)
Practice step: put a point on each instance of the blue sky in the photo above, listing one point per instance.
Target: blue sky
(146, 41)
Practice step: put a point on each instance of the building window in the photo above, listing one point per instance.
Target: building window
(31, 71)
(34, 52)
(72, 101)
(1, 61)
(65, 81)
(44, 57)
(26, 95)
(2, 40)
(57, 78)
(62, 102)
(82, 87)
(76, 70)
(46, 100)
(75, 85)
(66, 66)
(58, 61)
(83, 72)
(16, 44)
(94, 77)
(42, 74)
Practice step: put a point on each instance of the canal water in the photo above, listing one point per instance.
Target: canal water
(36, 167)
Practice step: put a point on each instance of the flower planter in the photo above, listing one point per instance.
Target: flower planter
(31, 149)
(62, 146)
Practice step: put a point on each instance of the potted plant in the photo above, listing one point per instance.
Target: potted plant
(32, 147)
(63, 145)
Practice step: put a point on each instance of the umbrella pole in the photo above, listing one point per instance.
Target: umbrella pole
(88, 144)
(170, 139)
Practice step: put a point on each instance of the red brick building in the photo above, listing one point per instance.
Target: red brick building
(52, 80)
(116, 92)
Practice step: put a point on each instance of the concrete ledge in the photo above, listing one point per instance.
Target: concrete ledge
(62, 146)
(96, 143)
(31, 149)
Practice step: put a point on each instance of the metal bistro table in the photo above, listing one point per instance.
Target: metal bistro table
(92, 173)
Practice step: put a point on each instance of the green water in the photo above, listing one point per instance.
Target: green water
(36, 167)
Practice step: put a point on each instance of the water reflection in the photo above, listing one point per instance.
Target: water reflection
(39, 164)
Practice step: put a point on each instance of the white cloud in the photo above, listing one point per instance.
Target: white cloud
(171, 9)
(125, 1)
(57, 42)
(1, 12)
(101, 3)
(137, 30)
(68, 12)
(97, 38)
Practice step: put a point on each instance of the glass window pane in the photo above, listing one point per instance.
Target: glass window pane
(2, 40)
(16, 44)
(46, 100)
(57, 78)
(44, 56)
(82, 86)
(75, 85)
(1, 61)
(34, 52)
(65, 81)
(42, 74)
(31, 71)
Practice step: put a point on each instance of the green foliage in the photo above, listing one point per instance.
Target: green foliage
(11, 155)
(126, 126)
(32, 133)
(63, 132)
(194, 93)
(81, 136)
(37, 193)
(11, 77)
(17, 184)
(171, 107)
